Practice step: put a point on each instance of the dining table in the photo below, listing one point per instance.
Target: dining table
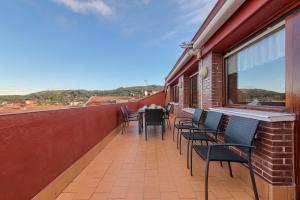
(142, 110)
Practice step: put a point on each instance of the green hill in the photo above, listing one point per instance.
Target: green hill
(262, 95)
(65, 97)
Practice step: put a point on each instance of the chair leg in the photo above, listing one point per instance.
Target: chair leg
(162, 132)
(177, 138)
(180, 138)
(253, 180)
(123, 127)
(206, 179)
(188, 153)
(146, 132)
(169, 123)
(230, 169)
(191, 159)
(173, 134)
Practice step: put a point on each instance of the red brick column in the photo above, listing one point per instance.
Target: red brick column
(184, 91)
(169, 95)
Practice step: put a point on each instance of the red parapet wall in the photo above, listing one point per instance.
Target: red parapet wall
(37, 147)
(158, 99)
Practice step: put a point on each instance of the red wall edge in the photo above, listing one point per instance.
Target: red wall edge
(158, 99)
(37, 147)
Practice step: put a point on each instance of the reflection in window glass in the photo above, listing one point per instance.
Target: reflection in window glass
(194, 91)
(256, 74)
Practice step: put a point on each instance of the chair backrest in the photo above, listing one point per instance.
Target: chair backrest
(168, 109)
(154, 115)
(241, 130)
(127, 109)
(124, 113)
(197, 115)
(213, 120)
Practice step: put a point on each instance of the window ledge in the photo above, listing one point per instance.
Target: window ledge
(256, 114)
(189, 110)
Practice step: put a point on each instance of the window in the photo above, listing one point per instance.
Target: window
(194, 91)
(176, 93)
(256, 73)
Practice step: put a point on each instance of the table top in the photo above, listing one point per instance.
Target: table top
(152, 106)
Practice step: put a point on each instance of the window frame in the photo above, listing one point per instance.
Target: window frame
(261, 35)
(175, 96)
(191, 103)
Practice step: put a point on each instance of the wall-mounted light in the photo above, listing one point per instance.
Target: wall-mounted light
(203, 72)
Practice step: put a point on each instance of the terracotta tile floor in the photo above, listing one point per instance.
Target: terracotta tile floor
(131, 168)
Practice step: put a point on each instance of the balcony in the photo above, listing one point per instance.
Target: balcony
(131, 168)
(80, 153)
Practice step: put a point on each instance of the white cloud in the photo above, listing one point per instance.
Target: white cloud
(87, 6)
(146, 1)
(194, 11)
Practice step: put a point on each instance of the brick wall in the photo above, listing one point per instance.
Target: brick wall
(184, 91)
(273, 156)
(212, 85)
(169, 94)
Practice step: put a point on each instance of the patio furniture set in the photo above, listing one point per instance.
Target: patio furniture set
(205, 128)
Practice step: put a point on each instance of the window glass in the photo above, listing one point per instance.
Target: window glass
(194, 91)
(176, 94)
(256, 74)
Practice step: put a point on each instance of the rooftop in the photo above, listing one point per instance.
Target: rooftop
(131, 168)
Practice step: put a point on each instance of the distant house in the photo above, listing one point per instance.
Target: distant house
(75, 103)
(101, 100)
(149, 92)
(28, 102)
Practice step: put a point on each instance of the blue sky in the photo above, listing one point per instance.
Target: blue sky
(92, 44)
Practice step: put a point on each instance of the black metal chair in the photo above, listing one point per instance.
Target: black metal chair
(208, 131)
(154, 117)
(187, 122)
(168, 108)
(129, 112)
(239, 134)
(127, 119)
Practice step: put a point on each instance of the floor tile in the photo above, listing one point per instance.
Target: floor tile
(130, 168)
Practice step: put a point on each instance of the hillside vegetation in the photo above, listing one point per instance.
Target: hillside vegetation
(65, 97)
(260, 94)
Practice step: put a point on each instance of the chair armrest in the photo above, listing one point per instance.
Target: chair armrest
(226, 145)
(180, 118)
(232, 145)
(185, 122)
(195, 129)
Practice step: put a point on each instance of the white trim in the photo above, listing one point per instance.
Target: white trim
(257, 114)
(258, 37)
(195, 74)
(189, 110)
(226, 11)
(174, 103)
